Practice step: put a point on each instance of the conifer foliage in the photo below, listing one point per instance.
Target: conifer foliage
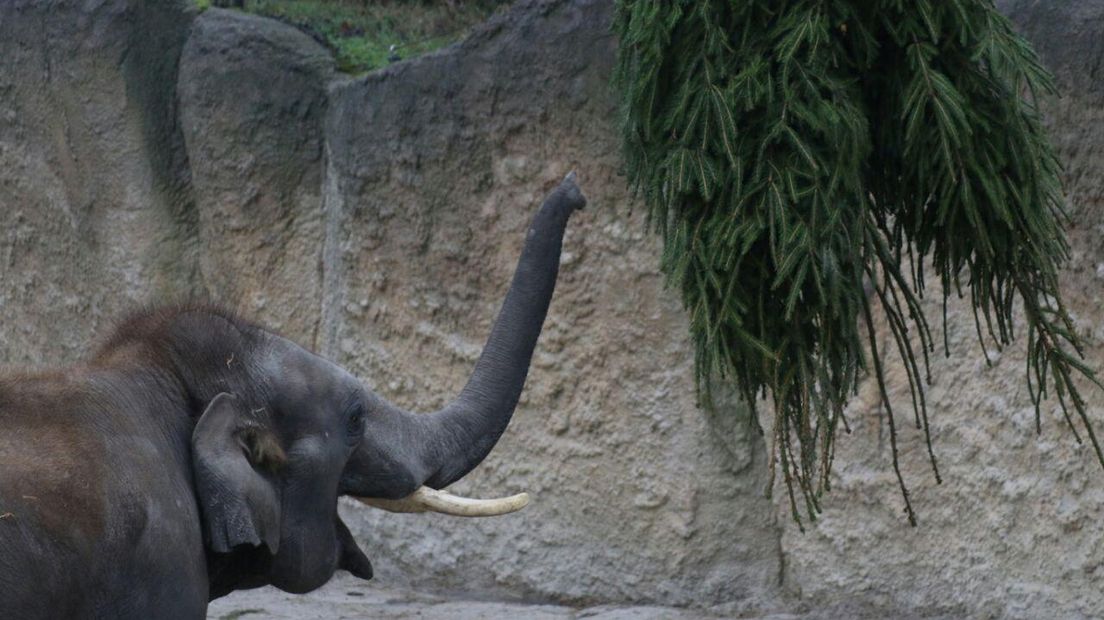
(805, 161)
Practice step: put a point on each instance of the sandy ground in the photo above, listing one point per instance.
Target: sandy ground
(345, 597)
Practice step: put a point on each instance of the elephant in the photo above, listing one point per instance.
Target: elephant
(194, 453)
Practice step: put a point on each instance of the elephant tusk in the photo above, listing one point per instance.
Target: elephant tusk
(426, 499)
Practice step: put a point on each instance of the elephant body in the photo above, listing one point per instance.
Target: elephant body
(100, 516)
(196, 453)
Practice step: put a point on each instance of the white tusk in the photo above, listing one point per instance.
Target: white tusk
(426, 499)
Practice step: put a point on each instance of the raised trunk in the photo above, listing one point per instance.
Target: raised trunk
(402, 450)
(467, 429)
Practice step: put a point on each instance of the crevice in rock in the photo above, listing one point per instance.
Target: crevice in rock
(151, 65)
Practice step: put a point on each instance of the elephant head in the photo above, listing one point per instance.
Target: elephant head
(283, 433)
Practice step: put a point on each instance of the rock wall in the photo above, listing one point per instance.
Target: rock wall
(252, 102)
(149, 152)
(95, 210)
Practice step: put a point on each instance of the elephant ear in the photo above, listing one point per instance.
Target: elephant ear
(239, 502)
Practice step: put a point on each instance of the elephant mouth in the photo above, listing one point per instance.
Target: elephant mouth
(426, 499)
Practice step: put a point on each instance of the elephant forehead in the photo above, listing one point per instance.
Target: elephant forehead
(298, 373)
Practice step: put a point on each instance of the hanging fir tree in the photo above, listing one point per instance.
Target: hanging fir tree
(805, 160)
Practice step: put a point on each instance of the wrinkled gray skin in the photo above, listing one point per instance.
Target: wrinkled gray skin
(197, 453)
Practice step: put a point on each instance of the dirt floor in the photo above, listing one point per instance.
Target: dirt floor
(345, 597)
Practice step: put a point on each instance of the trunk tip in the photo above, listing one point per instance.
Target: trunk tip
(569, 189)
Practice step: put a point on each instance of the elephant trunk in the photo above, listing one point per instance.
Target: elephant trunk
(467, 429)
(437, 449)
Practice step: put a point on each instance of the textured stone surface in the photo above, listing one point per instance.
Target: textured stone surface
(147, 152)
(94, 204)
(252, 101)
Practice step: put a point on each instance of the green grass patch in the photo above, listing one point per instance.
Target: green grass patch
(361, 32)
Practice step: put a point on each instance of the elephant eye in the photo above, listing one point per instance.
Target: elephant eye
(354, 424)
